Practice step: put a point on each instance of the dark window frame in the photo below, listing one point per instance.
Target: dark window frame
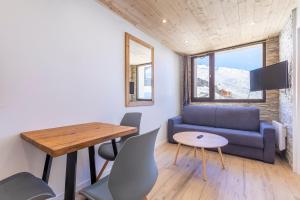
(211, 97)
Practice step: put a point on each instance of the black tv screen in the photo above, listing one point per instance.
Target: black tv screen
(270, 77)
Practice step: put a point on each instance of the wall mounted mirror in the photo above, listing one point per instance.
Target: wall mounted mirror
(139, 72)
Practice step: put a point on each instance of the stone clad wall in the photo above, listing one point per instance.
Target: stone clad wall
(287, 52)
(132, 78)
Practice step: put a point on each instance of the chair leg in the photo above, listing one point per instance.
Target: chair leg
(102, 170)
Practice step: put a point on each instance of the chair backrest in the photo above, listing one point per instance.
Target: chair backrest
(134, 172)
(132, 119)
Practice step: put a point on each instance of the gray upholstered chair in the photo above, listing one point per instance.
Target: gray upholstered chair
(133, 174)
(106, 150)
(24, 186)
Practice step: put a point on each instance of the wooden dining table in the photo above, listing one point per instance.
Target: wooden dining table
(68, 140)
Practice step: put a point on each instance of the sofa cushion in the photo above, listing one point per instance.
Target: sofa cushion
(199, 115)
(189, 127)
(235, 137)
(239, 137)
(237, 117)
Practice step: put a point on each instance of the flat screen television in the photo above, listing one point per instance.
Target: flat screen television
(270, 77)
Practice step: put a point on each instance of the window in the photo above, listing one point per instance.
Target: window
(224, 75)
(201, 77)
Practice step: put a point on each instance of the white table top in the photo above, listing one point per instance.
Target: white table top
(200, 139)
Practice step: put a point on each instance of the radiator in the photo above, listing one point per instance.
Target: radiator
(280, 132)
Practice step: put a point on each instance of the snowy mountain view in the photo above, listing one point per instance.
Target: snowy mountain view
(230, 83)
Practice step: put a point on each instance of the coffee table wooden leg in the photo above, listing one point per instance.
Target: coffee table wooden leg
(203, 164)
(177, 152)
(221, 157)
(195, 156)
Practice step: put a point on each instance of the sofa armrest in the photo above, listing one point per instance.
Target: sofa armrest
(171, 123)
(268, 132)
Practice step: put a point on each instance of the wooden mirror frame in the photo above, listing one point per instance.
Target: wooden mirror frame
(129, 103)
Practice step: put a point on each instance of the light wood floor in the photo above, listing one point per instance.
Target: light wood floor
(242, 178)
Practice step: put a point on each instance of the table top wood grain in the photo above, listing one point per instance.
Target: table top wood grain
(63, 140)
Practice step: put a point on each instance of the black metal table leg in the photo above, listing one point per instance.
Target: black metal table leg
(47, 168)
(70, 182)
(113, 142)
(92, 164)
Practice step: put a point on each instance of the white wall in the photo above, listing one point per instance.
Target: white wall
(62, 62)
(296, 116)
(296, 120)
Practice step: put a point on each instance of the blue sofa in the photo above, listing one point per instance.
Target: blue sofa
(248, 136)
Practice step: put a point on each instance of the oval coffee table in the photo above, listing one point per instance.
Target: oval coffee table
(200, 140)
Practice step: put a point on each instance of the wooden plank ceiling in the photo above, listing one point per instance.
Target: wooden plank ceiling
(195, 26)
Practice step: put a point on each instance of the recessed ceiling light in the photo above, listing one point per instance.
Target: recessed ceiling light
(164, 21)
(252, 23)
(185, 42)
